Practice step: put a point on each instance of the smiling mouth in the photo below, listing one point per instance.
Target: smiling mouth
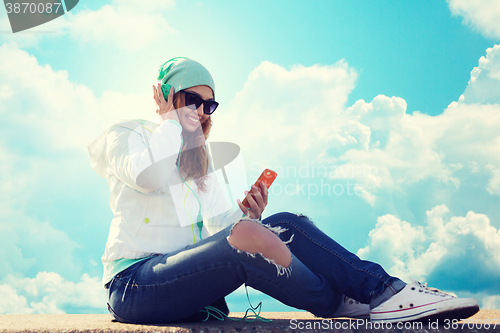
(193, 119)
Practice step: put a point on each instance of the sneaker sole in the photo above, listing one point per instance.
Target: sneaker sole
(459, 309)
(459, 314)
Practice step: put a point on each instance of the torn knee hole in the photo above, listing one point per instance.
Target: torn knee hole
(252, 238)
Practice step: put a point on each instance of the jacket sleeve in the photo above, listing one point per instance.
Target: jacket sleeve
(218, 213)
(140, 162)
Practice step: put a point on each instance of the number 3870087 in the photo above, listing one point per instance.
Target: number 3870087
(27, 7)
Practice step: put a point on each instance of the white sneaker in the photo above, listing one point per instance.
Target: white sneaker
(354, 309)
(416, 301)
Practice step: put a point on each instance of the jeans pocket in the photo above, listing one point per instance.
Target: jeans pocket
(128, 274)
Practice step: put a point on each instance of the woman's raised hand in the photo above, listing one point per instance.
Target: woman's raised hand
(164, 108)
(257, 199)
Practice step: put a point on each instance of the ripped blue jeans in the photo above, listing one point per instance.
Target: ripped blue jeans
(174, 286)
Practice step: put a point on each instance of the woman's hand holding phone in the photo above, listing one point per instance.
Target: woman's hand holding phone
(164, 108)
(257, 200)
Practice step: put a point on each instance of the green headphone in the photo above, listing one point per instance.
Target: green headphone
(162, 72)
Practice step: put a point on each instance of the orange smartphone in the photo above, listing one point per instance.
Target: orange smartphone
(267, 176)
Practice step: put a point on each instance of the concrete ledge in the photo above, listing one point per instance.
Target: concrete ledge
(282, 322)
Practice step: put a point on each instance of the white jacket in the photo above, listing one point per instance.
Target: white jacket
(153, 209)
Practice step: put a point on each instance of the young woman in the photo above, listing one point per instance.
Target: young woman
(175, 245)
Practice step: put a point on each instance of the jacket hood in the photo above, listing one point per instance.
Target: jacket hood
(97, 149)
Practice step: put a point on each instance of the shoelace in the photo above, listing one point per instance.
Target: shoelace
(350, 300)
(423, 288)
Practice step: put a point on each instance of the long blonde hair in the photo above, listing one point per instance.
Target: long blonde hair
(194, 161)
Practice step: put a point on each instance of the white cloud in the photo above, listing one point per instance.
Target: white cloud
(393, 243)
(367, 195)
(405, 149)
(305, 115)
(400, 146)
(141, 7)
(494, 182)
(482, 15)
(5, 92)
(11, 302)
(48, 292)
(460, 248)
(59, 114)
(11, 255)
(300, 112)
(129, 25)
(491, 302)
(474, 167)
(28, 244)
(469, 133)
(484, 83)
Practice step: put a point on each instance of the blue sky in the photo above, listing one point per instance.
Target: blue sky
(396, 104)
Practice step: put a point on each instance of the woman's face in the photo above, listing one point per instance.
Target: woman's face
(190, 119)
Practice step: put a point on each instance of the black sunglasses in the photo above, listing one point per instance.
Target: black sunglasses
(191, 99)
